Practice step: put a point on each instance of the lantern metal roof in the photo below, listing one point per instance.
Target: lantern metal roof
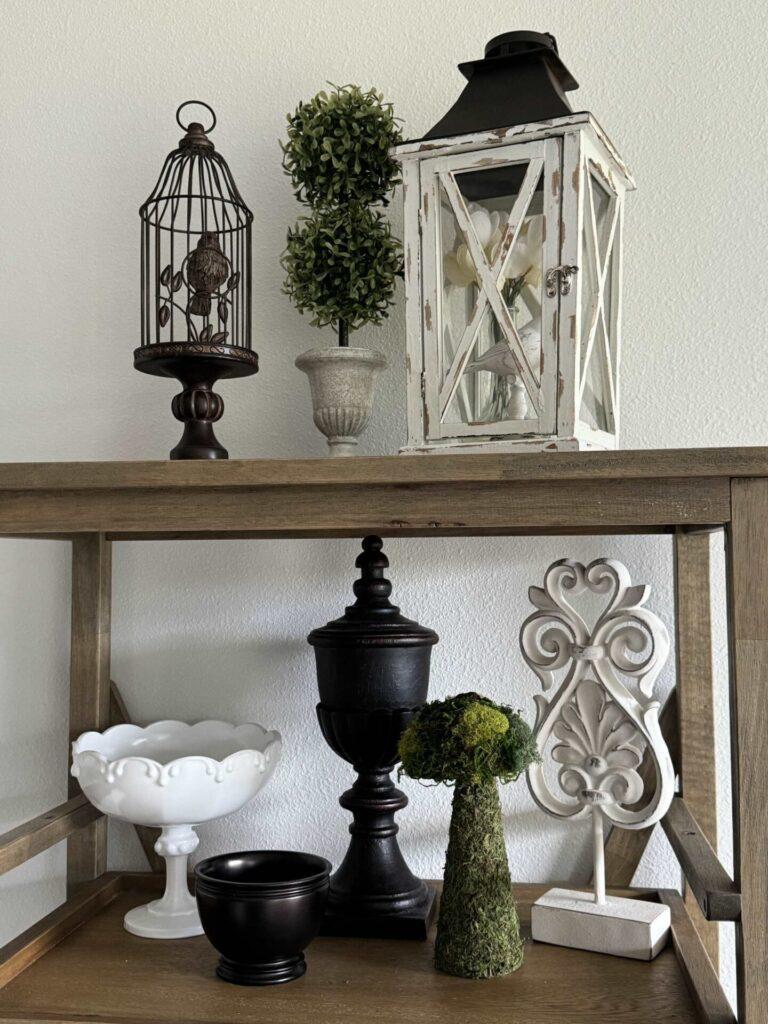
(520, 79)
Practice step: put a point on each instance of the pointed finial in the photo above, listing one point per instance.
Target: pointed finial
(372, 590)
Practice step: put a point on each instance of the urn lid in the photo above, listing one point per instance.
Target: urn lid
(520, 79)
(372, 621)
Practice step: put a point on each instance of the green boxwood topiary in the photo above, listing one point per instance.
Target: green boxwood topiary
(338, 148)
(342, 265)
(342, 261)
(471, 742)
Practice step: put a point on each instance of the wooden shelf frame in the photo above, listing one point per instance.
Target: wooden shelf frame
(688, 493)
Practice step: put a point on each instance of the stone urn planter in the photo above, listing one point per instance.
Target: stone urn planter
(341, 381)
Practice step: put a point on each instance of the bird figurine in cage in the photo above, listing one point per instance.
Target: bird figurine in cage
(196, 284)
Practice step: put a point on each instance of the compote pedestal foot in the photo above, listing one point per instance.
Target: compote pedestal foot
(175, 915)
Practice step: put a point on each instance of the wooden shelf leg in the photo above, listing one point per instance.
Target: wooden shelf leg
(89, 685)
(747, 567)
(695, 701)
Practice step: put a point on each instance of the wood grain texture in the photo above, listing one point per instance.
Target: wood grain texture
(45, 831)
(460, 508)
(695, 699)
(715, 892)
(624, 847)
(28, 947)
(703, 982)
(118, 714)
(103, 975)
(747, 564)
(387, 470)
(89, 686)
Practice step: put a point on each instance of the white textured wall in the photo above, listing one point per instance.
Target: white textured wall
(89, 91)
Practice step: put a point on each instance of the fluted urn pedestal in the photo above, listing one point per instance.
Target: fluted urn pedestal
(373, 674)
(341, 381)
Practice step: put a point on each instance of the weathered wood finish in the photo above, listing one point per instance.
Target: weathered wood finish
(747, 561)
(715, 892)
(41, 937)
(101, 974)
(89, 685)
(45, 831)
(565, 154)
(695, 697)
(712, 1005)
(417, 509)
(388, 470)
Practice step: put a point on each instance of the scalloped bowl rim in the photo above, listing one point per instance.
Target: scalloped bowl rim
(79, 749)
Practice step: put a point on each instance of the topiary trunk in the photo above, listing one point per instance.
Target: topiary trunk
(478, 932)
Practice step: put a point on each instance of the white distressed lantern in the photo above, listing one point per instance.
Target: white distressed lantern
(513, 231)
(595, 721)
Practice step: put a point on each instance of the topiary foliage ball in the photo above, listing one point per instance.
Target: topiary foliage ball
(338, 148)
(341, 265)
(470, 741)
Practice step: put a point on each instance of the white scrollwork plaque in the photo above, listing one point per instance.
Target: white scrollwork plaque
(602, 717)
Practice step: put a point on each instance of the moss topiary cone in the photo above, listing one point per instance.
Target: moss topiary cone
(470, 741)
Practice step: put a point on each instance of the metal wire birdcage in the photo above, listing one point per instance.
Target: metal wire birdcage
(196, 283)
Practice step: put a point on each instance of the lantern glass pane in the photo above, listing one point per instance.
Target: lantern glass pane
(597, 319)
(502, 209)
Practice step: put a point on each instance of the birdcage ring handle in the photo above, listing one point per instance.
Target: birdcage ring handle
(198, 103)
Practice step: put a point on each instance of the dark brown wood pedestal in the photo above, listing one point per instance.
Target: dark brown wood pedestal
(373, 892)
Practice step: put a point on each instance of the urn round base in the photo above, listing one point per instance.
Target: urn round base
(156, 921)
(273, 972)
(342, 446)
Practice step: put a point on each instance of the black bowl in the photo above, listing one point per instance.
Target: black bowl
(260, 910)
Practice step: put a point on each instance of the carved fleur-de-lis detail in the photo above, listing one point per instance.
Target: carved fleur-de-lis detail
(602, 712)
(599, 747)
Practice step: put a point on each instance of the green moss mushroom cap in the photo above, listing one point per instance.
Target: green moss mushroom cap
(467, 739)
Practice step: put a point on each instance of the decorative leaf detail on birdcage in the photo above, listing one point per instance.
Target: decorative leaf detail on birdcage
(594, 713)
(200, 300)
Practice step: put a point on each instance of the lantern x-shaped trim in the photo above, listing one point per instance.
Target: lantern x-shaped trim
(513, 244)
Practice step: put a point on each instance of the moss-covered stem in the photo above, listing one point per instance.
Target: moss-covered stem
(478, 932)
(343, 334)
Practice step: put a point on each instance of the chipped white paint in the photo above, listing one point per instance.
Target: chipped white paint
(572, 396)
(596, 726)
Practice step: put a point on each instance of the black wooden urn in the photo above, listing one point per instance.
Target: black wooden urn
(373, 674)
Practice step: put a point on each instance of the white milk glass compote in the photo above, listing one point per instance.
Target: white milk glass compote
(173, 776)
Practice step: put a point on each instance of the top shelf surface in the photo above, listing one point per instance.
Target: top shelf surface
(437, 495)
(390, 469)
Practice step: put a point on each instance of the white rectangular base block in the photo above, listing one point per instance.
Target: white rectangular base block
(622, 927)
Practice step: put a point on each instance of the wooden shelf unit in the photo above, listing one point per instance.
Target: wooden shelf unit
(84, 967)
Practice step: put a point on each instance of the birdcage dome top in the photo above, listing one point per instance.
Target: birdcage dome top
(195, 192)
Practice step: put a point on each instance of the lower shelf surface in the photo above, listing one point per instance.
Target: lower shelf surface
(100, 974)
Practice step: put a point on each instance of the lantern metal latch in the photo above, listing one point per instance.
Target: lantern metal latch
(563, 274)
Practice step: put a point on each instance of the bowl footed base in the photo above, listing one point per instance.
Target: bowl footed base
(161, 920)
(272, 972)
